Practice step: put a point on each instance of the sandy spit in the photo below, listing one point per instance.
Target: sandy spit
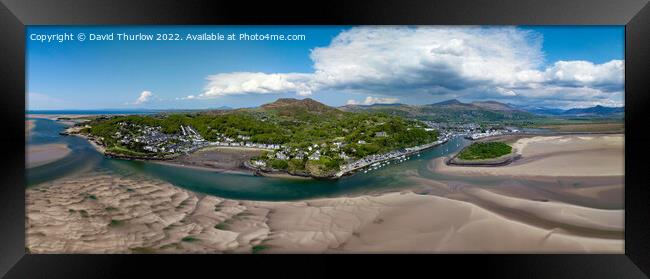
(571, 155)
(41, 154)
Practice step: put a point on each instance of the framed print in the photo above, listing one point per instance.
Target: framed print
(505, 135)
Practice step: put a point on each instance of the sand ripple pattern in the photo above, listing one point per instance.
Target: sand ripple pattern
(102, 213)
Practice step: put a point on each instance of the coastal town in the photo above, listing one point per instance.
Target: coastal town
(374, 161)
(151, 140)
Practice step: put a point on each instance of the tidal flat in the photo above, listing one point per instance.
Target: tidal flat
(96, 204)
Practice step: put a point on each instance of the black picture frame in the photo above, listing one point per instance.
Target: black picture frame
(634, 14)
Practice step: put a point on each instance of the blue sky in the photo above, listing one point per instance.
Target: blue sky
(597, 44)
(335, 65)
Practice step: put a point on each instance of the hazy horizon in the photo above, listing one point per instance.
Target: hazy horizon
(141, 109)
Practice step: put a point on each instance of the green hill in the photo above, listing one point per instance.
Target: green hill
(293, 106)
(452, 111)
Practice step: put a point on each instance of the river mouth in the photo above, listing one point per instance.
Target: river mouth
(84, 158)
(545, 203)
(412, 174)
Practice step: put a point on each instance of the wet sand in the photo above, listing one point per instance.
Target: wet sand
(218, 158)
(41, 154)
(618, 127)
(566, 156)
(571, 182)
(106, 213)
(65, 119)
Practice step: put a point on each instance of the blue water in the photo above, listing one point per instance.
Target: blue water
(91, 112)
(85, 158)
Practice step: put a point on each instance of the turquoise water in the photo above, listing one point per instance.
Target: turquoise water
(85, 158)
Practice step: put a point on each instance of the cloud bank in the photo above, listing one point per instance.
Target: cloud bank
(470, 62)
(370, 100)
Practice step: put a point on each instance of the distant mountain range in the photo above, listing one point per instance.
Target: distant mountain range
(450, 111)
(595, 111)
(456, 111)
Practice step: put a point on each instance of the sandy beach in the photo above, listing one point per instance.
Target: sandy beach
(41, 154)
(106, 213)
(617, 127)
(65, 119)
(570, 155)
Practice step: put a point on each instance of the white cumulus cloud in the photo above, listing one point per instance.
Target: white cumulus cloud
(466, 61)
(373, 100)
(427, 58)
(584, 73)
(259, 83)
(145, 97)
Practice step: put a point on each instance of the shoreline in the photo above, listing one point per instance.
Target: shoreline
(284, 175)
(99, 148)
(203, 168)
(593, 155)
(415, 150)
(500, 161)
(340, 174)
(43, 154)
(550, 134)
(72, 131)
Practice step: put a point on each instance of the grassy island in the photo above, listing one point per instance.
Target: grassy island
(485, 150)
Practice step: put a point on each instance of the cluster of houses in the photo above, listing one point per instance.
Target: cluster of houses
(312, 152)
(152, 139)
(369, 160)
(242, 141)
(456, 127)
(490, 133)
(472, 131)
(188, 140)
(373, 160)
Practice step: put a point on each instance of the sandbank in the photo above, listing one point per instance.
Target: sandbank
(567, 155)
(107, 213)
(41, 154)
